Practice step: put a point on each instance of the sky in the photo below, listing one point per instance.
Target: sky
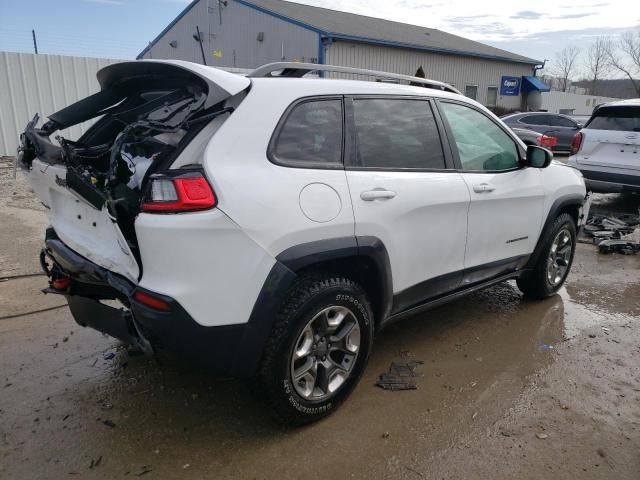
(122, 28)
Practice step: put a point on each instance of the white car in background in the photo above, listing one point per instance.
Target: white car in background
(607, 149)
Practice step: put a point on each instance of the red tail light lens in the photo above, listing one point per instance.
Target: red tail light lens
(576, 143)
(151, 301)
(61, 283)
(548, 141)
(180, 194)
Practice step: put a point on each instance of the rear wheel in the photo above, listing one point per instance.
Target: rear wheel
(554, 263)
(318, 348)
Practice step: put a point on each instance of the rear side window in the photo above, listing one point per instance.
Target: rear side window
(396, 134)
(621, 119)
(311, 136)
(562, 122)
(536, 120)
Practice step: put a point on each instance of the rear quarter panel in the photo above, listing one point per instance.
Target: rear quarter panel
(264, 199)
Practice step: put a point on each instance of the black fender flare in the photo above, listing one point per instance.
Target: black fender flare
(573, 199)
(286, 269)
(299, 257)
(367, 248)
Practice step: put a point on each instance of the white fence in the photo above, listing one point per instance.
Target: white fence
(572, 103)
(43, 84)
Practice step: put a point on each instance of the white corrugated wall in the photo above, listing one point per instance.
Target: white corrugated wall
(572, 103)
(43, 84)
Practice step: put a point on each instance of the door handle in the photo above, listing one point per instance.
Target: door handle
(377, 194)
(483, 188)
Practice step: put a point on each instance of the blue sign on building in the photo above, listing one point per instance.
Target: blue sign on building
(510, 86)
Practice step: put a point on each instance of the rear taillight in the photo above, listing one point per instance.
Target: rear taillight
(576, 143)
(61, 283)
(547, 141)
(185, 193)
(151, 301)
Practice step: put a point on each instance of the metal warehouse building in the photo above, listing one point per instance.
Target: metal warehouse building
(250, 33)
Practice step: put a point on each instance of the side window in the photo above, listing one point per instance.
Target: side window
(562, 122)
(471, 91)
(535, 120)
(481, 144)
(396, 134)
(311, 135)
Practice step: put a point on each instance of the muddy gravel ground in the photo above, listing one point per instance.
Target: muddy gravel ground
(509, 388)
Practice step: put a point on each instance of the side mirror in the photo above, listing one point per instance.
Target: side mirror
(579, 126)
(538, 157)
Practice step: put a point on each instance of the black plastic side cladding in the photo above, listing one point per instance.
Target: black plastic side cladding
(261, 319)
(365, 250)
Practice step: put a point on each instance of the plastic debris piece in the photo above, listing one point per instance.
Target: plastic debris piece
(401, 376)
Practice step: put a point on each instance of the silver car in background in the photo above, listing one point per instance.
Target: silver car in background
(530, 137)
(607, 149)
(557, 125)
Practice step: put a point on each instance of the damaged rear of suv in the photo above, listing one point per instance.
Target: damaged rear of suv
(143, 154)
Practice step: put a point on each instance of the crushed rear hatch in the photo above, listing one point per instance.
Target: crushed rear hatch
(93, 187)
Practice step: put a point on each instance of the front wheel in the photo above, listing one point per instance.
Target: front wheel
(554, 263)
(318, 348)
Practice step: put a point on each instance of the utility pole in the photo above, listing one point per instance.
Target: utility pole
(199, 35)
(35, 42)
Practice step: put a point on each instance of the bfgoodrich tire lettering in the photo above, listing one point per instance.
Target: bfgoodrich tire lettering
(310, 299)
(554, 263)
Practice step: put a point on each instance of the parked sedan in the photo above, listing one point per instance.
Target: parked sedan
(530, 137)
(560, 126)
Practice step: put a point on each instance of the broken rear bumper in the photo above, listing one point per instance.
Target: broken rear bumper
(231, 350)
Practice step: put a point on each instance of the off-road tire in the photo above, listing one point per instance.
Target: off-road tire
(536, 284)
(307, 296)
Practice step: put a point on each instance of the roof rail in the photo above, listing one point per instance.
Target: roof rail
(298, 70)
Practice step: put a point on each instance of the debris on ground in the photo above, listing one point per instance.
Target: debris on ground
(611, 233)
(401, 376)
(142, 470)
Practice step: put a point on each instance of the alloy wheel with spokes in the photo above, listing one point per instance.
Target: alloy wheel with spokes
(547, 271)
(325, 352)
(559, 258)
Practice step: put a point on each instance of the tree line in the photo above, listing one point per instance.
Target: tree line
(603, 58)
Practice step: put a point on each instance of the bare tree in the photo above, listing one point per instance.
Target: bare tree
(566, 64)
(625, 56)
(597, 62)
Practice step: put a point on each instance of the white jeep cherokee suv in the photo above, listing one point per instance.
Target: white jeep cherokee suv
(607, 149)
(267, 226)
